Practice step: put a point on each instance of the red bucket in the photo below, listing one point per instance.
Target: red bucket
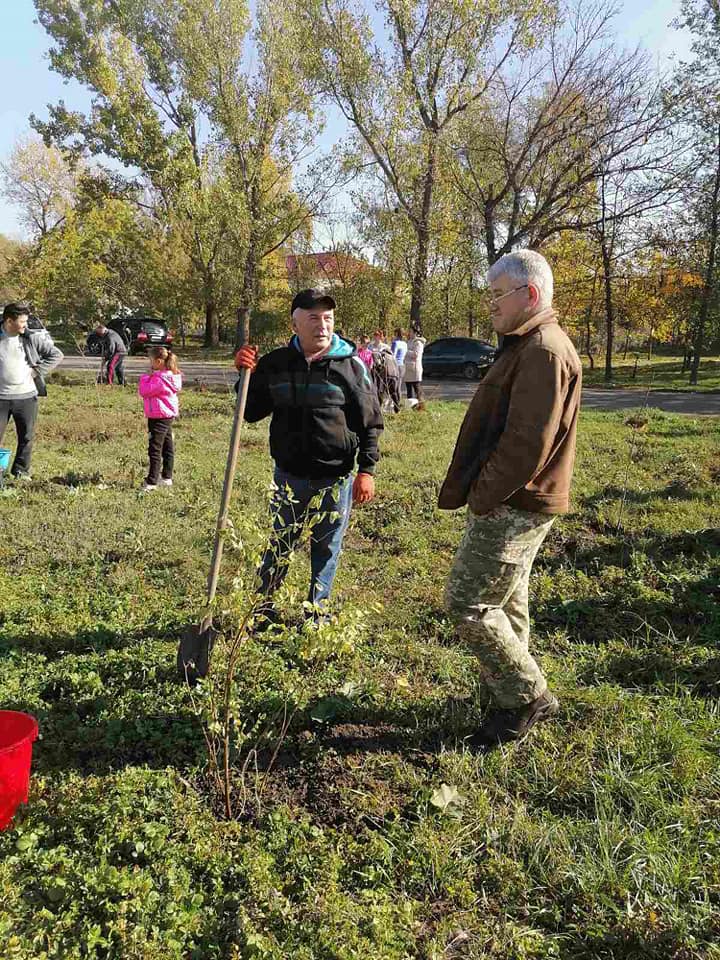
(17, 733)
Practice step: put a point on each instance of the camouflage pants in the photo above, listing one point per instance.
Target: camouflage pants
(487, 594)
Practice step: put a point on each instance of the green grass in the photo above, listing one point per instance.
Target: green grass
(659, 373)
(597, 838)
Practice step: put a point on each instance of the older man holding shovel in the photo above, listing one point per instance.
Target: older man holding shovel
(325, 417)
(512, 466)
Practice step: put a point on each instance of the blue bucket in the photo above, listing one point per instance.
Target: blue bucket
(5, 458)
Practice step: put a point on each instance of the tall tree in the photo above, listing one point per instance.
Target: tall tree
(697, 96)
(41, 183)
(265, 118)
(404, 97)
(579, 108)
(179, 96)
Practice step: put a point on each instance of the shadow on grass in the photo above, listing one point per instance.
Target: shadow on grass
(691, 612)
(77, 739)
(655, 670)
(639, 939)
(672, 491)
(590, 555)
(103, 714)
(100, 639)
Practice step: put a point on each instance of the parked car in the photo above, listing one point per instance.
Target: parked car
(35, 323)
(457, 355)
(139, 333)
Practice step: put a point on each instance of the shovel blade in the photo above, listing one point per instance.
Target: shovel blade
(193, 657)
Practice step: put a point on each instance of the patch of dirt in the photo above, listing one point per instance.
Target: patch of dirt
(345, 774)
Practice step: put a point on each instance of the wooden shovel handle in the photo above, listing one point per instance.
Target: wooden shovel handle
(230, 467)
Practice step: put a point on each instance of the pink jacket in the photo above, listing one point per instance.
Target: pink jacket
(159, 391)
(366, 356)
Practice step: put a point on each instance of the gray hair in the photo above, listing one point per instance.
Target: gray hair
(526, 266)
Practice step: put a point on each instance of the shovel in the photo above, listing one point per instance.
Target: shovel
(193, 658)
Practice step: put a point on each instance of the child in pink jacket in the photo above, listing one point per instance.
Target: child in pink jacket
(159, 390)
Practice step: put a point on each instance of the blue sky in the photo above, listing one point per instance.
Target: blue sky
(29, 84)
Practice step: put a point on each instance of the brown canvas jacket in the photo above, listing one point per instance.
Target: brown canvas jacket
(517, 442)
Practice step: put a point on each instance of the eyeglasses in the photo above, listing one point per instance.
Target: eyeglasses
(503, 295)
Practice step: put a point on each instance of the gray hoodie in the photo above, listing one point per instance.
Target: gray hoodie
(40, 357)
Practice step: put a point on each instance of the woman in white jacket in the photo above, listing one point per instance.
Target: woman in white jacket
(414, 367)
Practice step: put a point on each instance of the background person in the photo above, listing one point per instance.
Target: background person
(399, 349)
(386, 377)
(414, 368)
(364, 351)
(26, 358)
(114, 351)
(378, 342)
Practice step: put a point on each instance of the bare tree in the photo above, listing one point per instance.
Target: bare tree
(697, 106)
(577, 110)
(41, 182)
(404, 97)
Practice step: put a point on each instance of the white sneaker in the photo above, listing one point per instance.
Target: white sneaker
(148, 487)
(165, 483)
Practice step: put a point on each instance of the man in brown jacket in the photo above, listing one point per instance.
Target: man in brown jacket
(512, 466)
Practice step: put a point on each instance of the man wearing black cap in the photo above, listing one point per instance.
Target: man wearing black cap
(325, 415)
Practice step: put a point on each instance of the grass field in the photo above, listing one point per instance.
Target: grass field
(597, 838)
(660, 373)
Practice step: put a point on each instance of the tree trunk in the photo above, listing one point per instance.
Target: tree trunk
(626, 344)
(446, 318)
(709, 284)
(588, 319)
(489, 225)
(212, 324)
(247, 297)
(472, 324)
(609, 310)
(422, 230)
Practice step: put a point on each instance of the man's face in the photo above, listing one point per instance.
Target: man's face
(17, 326)
(510, 303)
(314, 328)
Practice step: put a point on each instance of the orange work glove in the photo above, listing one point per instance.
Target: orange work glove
(363, 488)
(246, 358)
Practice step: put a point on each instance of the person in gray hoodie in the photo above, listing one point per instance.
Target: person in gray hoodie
(114, 351)
(26, 358)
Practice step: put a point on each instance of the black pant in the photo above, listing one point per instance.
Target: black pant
(161, 449)
(115, 369)
(414, 389)
(394, 391)
(24, 413)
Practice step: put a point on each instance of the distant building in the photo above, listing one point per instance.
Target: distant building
(325, 269)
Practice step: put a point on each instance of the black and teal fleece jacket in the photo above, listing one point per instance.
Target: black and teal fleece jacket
(325, 414)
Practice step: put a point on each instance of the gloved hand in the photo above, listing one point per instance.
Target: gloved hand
(363, 488)
(246, 358)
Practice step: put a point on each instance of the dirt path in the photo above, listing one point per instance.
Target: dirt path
(698, 404)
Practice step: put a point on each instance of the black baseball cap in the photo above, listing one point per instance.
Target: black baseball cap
(307, 299)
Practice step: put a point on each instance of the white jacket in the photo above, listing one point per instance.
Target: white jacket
(413, 359)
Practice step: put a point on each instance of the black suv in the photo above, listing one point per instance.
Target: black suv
(457, 355)
(139, 333)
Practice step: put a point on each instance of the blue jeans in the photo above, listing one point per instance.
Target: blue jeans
(292, 509)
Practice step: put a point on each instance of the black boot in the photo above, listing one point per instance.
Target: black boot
(502, 726)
